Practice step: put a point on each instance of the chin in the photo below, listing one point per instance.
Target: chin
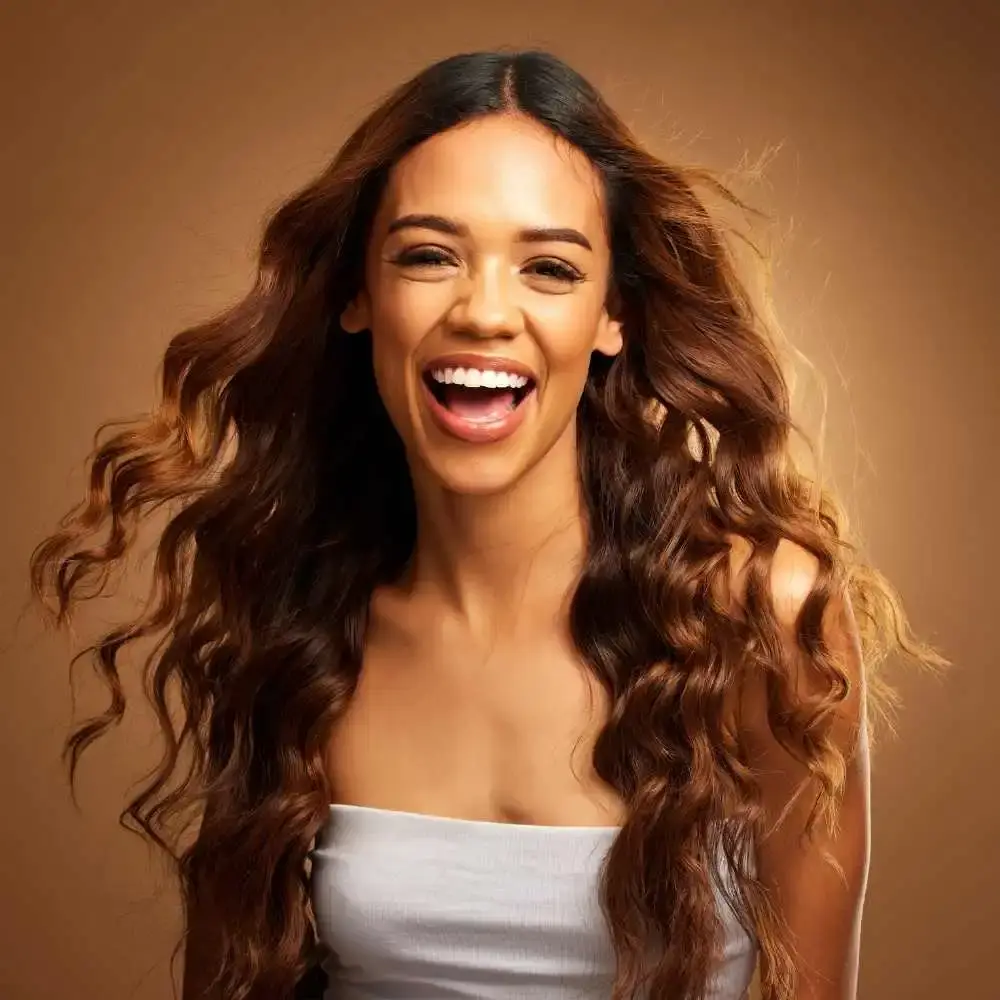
(476, 475)
(483, 462)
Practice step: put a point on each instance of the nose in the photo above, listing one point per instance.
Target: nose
(487, 305)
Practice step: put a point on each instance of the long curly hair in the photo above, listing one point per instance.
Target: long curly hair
(288, 501)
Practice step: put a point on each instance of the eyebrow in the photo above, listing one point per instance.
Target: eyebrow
(450, 227)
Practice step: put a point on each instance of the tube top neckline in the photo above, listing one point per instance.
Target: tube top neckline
(457, 822)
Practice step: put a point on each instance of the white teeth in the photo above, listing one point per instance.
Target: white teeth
(474, 378)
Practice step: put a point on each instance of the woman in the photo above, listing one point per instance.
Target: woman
(516, 658)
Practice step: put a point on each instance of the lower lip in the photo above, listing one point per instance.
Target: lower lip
(476, 432)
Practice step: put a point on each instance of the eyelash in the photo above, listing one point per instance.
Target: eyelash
(558, 271)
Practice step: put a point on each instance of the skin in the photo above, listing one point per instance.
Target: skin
(471, 649)
(472, 701)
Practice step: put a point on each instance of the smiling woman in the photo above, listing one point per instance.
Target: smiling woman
(488, 253)
(516, 658)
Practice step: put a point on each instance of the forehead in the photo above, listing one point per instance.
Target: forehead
(500, 170)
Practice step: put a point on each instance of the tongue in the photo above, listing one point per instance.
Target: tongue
(478, 404)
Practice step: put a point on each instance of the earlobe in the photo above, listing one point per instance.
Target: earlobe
(356, 315)
(611, 339)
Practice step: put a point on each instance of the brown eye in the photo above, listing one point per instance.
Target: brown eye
(556, 270)
(422, 257)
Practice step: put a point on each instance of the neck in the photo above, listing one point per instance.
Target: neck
(491, 558)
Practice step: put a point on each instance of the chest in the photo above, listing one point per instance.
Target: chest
(503, 731)
(417, 907)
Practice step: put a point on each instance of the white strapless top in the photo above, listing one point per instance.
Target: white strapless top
(428, 908)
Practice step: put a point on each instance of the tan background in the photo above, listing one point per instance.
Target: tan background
(143, 141)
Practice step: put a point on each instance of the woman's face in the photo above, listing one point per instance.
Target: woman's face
(486, 284)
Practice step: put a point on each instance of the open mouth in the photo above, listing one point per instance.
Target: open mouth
(479, 397)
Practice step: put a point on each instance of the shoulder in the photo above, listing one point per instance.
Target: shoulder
(837, 672)
(793, 573)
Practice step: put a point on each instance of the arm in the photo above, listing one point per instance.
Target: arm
(820, 906)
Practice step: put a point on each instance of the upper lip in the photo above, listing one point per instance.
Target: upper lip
(484, 362)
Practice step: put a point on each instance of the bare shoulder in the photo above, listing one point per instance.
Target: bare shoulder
(793, 574)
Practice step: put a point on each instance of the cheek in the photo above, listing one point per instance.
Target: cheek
(404, 312)
(569, 340)
(400, 322)
(568, 343)
(391, 378)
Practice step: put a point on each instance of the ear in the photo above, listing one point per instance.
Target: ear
(610, 338)
(357, 315)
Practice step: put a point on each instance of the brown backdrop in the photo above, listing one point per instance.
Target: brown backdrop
(143, 141)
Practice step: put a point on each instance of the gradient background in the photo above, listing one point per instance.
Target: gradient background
(143, 142)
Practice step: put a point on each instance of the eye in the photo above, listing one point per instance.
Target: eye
(423, 257)
(556, 270)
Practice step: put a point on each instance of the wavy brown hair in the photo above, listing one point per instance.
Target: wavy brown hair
(289, 501)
